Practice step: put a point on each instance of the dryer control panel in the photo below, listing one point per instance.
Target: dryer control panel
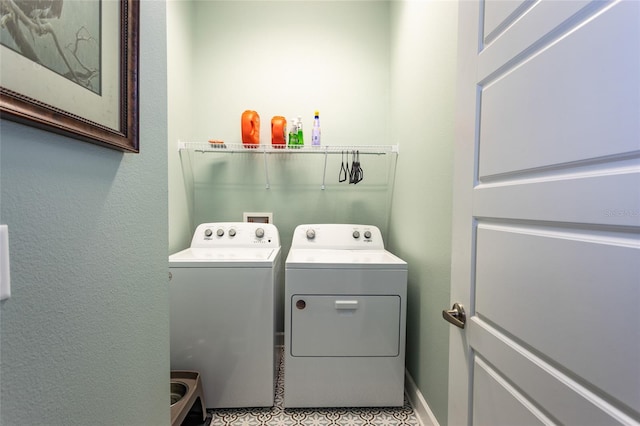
(337, 237)
(235, 234)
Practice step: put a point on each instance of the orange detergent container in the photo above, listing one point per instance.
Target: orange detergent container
(279, 132)
(250, 128)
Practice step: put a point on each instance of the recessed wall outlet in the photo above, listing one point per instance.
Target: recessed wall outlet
(257, 217)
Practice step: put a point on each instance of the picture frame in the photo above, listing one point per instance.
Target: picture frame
(118, 98)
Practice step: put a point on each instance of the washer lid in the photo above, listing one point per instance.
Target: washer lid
(343, 259)
(224, 257)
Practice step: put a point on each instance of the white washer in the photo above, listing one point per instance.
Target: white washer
(345, 319)
(222, 307)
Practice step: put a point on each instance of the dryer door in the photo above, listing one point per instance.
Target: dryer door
(345, 325)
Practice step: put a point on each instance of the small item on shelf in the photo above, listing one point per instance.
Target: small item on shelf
(250, 122)
(300, 135)
(278, 131)
(217, 143)
(315, 133)
(293, 134)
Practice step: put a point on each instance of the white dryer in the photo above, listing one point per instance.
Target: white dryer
(222, 307)
(345, 319)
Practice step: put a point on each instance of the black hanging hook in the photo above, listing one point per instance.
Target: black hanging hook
(356, 170)
(344, 171)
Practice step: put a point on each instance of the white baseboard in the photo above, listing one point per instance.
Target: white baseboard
(423, 412)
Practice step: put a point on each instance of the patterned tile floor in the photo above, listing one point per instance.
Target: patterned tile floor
(279, 416)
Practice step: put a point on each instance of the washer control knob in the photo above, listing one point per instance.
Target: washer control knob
(208, 232)
(259, 232)
(311, 234)
(356, 234)
(232, 232)
(220, 232)
(367, 234)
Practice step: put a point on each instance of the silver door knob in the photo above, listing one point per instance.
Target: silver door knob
(456, 315)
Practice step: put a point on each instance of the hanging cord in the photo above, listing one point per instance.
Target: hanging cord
(360, 172)
(352, 175)
(344, 171)
(357, 173)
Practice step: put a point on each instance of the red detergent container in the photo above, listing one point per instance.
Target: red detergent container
(250, 128)
(279, 132)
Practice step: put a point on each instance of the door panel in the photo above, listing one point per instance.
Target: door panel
(499, 13)
(566, 197)
(538, 115)
(546, 226)
(569, 285)
(564, 399)
(527, 30)
(499, 403)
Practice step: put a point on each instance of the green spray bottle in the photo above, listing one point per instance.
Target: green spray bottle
(300, 135)
(293, 134)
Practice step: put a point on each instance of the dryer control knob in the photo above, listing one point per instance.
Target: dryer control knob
(208, 232)
(311, 234)
(259, 232)
(356, 234)
(232, 232)
(367, 234)
(220, 232)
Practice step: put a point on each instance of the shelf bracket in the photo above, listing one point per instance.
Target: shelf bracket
(324, 173)
(266, 169)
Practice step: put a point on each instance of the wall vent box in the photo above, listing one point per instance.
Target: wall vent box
(257, 217)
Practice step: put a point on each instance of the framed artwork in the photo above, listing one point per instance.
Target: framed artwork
(72, 68)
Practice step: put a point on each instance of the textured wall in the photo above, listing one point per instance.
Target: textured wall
(84, 337)
(380, 73)
(277, 57)
(180, 126)
(423, 59)
(290, 58)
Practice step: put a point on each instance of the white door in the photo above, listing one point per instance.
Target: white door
(546, 231)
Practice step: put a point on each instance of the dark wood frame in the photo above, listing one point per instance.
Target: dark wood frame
(17, 107)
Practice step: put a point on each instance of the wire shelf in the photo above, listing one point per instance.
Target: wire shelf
(269, 149)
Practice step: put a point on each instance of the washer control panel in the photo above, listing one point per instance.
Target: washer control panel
(235, 234)
(337, 237)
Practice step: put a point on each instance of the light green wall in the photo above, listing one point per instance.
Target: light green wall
(380, 73)
(180, 84)
(279, 58)
(423, 86)
(290, 58)
(84, 338)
